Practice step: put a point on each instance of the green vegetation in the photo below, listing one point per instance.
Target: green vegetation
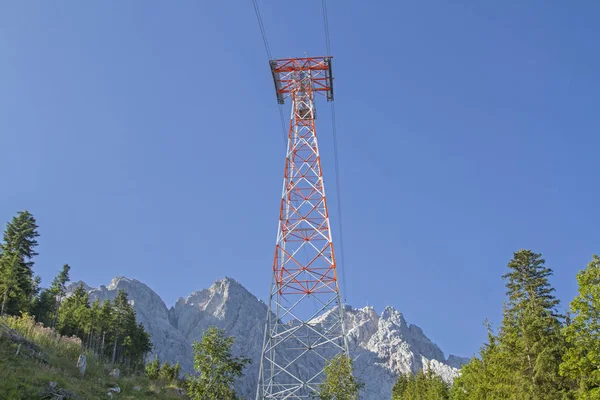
(339, 383)
(216, 366)
(166, 372)
(582, 360)
(423, 386)
(45, 356)
(107, 334)
(17, 283)
(522, 361)
(535, 354)
(109, 330)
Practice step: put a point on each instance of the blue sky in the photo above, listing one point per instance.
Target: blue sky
(145, 138)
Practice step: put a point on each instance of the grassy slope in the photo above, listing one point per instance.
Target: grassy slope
(25, 377)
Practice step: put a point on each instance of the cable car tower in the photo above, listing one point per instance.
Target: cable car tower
(304, 327)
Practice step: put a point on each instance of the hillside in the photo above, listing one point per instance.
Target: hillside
(46, 368)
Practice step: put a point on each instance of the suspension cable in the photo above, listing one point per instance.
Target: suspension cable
(263, 33)
(335, 156)
(326, 26)
(262, 29)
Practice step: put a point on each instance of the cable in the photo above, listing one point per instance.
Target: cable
(263, 33)
(338, 197)
(335, 155)
(262, 29)
(326, 25)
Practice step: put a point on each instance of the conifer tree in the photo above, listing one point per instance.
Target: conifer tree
(437, 389)
(401, 386)
(486, 377)
(94, 324)
(165, 372)
(530, 337)
(73, 315)
(123, 322)
(44, 307)
(423, 386)
(47, 303)
(176, 370)
(17, 283)
(582, 359)
(105, 324)
(153, 368)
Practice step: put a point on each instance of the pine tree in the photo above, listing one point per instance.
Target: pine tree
(437, 389)
(165, 372)
(142, 345)
(94, 332)
(73, 314)
(46, 305)
(401, 386)
(216, 366)
(59, 287)
(339, 383)
(530, 337)
(176, 370)
(486, 377)
(123, 318)
(105, 325)
(17, 283)
(582, 359)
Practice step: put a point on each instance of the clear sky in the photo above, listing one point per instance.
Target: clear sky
(144, 136)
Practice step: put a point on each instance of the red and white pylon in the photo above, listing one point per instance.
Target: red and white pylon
(304, 327)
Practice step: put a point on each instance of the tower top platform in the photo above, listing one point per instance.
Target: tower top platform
(313, 71)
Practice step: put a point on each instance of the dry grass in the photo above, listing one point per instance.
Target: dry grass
(25, 376)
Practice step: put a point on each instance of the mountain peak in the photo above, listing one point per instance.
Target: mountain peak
(73, 285)
(394, 316)
(114, 283)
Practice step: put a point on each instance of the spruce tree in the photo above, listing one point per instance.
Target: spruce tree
(582, 359)
(73, 314)
(531, 344)
(105, 326)
(486, 376)
(46, 305)
(400, 387)
(437, 389)
(176, 370)
(123, 322)
(17, 283)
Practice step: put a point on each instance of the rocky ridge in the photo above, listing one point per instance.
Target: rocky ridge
(382, 346)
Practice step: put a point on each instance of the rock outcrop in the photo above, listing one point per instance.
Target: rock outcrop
(382, 346)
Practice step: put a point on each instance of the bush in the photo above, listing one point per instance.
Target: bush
(153, 368)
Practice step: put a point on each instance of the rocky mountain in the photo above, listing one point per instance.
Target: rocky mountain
(382, 346)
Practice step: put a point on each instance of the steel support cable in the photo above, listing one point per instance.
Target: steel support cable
(263, 33)
(262, 29)
(326, 25)
(335, 156)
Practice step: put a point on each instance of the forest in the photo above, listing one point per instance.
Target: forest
(109, 329)
(536, 353)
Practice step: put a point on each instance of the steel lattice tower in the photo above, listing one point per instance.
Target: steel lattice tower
(304, 327)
